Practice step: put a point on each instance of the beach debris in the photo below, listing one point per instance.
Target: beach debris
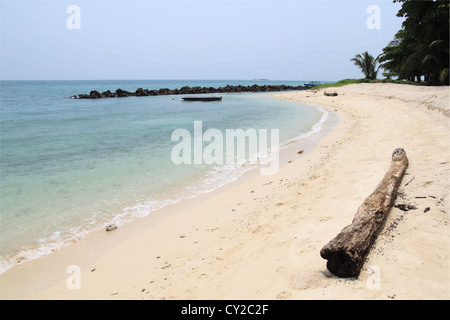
(389, 231)
(110, 227)
(347, 252)
(426, 209)
(405, 207)
(300, 151)
(409, 181)
(330, 93)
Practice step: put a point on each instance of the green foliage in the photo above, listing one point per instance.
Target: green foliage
(421, 46)
(395, 54)
(345, 82)
(341, 83)
(389, 75)
(368, 65)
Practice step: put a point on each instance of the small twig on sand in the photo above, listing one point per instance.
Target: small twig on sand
(409, 181)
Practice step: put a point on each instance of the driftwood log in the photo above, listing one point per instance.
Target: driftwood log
(346, 253)
(330, 94)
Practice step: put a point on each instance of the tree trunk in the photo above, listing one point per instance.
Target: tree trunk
(347, 251)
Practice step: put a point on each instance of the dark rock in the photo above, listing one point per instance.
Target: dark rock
(141, 92)
(94, 94)
(196, 90)
(123, 93)
(164, 91)
(83, 96)
(108, 94)
(185, 90)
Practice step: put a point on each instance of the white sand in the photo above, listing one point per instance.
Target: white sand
(260, 238)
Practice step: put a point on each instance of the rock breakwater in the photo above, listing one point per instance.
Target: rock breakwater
(140, 92)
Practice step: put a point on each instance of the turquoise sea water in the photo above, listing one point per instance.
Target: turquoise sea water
(69, 166)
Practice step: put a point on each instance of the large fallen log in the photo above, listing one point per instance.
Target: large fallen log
(347, 252)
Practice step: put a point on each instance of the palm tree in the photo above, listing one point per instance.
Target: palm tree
(412, 67)
(427, 59)
(436, 61)
(368, 64)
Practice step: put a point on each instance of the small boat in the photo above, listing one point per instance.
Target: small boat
(202, 98)
(311, 84)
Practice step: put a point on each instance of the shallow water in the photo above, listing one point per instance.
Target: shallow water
(70, 166)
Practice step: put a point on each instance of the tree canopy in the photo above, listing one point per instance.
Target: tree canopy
(421, 46)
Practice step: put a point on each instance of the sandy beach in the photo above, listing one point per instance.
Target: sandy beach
(260, 238)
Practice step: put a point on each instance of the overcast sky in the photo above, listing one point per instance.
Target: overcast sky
(203, 39)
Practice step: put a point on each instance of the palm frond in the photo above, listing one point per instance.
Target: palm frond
(443, 76)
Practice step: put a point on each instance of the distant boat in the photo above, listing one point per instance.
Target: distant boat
(202, 98)
(311, 84)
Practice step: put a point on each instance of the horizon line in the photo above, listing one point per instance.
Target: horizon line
(174, 79)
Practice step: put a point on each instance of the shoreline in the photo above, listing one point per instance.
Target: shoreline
(268, 230)
(103, 241)
(287, 151)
